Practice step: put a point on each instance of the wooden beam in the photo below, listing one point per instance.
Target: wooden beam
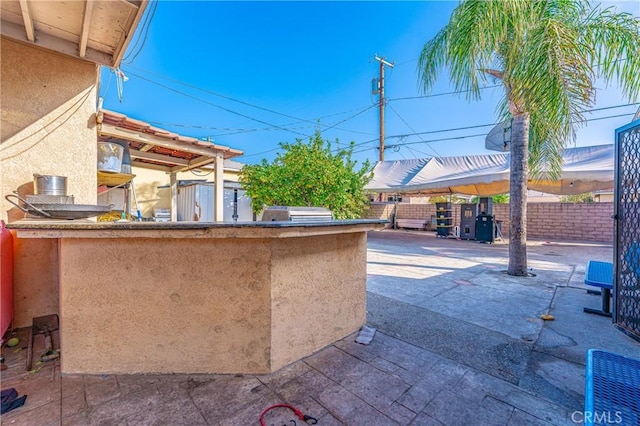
(86, 27)
(129, 30)
(194, 164)
(66, 47)
(218, 194)
(28, 22)
(147, 147)
(165, 159)
(131, 135)
(173, 184)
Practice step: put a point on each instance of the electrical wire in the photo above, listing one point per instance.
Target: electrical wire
(493, 124)
(145, 31)
(218, 106)
(467, 136)
(210, 92)
(411, 128)
(348, 118)
(457, 92)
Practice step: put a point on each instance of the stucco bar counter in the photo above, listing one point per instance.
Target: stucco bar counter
(193, 297)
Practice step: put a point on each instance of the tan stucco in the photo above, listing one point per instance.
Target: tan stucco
(315, 280)
(204, 299)
(179, 306)
(151, 197)
(47, 109)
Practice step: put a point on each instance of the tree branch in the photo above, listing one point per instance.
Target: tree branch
(497, 74)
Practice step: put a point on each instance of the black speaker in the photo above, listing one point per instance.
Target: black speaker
(485, 228)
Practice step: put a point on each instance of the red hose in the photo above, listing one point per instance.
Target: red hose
(308, 419)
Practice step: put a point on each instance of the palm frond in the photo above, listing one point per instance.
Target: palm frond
(616, 42)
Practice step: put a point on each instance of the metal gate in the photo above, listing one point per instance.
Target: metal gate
(627, 230)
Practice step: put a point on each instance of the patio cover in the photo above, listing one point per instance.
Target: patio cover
(585, 169)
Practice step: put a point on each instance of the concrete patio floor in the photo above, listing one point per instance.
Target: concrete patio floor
(458, 343)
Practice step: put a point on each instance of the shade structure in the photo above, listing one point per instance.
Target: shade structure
(585, 169)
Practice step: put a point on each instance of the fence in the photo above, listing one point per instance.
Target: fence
(557, 221)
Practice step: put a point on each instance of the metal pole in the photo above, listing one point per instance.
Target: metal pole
(235, 205)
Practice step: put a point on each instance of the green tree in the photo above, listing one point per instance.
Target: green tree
(445, 199)
(577, 198)
(497, 199)
(309, 174)
(548, 55)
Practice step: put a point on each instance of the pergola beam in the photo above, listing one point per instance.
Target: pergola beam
(144, 138)
(86, 26)
(28, 22)
(195, 163)
(159, 158)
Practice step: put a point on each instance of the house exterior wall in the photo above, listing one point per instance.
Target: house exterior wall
(556, 221)
(151, 197)
(47, 127)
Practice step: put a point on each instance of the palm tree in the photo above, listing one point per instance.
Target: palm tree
(547, 54)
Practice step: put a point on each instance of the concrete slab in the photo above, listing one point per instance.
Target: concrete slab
(456, 339)
(457, 343)
(574, 331)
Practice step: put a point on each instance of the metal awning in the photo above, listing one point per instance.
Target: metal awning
(98, 31)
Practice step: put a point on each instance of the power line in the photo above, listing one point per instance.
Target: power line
(468, 136)
(217, 106)
(298, 120)
(348, 118)
(493, 124)
(457, 92)
(411, 128)
(427, 141)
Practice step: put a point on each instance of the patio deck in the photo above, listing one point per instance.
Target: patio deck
(458, 343)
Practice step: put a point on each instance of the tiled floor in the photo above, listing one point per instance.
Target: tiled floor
(389, 382)
(458, 343)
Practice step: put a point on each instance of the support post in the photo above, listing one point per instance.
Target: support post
(218, 201)
(173, 183)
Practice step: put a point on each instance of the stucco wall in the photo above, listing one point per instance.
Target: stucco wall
(316, 280)
(200, 305)
(180, 305)
(556, 221)
(150, 197)
(47, 127)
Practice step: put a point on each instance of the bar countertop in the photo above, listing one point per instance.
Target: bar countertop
(46, 228)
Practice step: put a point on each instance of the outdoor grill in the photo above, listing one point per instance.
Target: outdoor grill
(296, 214)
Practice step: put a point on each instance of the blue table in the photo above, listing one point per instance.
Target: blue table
(600, 274)
(612, 389)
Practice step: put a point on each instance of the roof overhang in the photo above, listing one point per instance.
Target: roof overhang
(98, 31)
(154, 148)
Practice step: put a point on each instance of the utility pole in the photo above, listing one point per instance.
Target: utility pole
(383, 62)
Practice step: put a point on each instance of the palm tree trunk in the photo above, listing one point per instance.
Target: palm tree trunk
(519, 174)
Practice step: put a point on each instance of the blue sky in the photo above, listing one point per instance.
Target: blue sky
(252, 74)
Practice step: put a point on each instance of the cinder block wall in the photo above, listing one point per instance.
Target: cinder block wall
(379, 211)
(557, 221)
(569, 221)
